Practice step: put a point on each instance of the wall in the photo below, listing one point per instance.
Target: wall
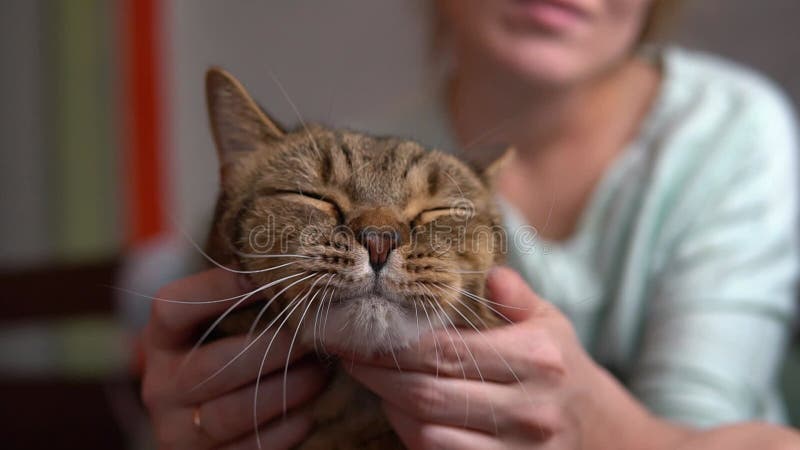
(24, 237)
(764, 34)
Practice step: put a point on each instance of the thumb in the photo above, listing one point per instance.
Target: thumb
(514, 297)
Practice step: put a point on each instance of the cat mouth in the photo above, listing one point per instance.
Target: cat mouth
(375, 292)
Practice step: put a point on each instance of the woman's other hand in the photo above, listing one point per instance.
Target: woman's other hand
(196, 405)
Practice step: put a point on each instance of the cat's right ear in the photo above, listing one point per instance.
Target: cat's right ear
(238, 124)
(488, 163)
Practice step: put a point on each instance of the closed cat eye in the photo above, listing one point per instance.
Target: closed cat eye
(317, 197)
(427, 213)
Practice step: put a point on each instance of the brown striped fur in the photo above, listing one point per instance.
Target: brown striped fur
(313, 192)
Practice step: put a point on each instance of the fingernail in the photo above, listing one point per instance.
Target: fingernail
(491, 279)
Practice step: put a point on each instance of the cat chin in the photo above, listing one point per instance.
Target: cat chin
(366, 326)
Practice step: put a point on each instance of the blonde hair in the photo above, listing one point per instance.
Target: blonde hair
(659, 17)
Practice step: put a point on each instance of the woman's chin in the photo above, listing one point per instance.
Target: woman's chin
(542, 64)
(538, 59)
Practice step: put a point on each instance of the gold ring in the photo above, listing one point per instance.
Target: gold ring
(196, 421)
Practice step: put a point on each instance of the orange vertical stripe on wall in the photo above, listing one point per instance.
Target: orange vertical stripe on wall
(143, 112)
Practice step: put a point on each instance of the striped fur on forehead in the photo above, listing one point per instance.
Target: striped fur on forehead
(364, 169)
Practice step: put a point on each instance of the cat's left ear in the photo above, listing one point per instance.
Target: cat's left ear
(238, 124)
(492, 162)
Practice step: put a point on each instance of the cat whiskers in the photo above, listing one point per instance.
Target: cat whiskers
(294, 338)
(490, 132)
(453, 305)
(416, 315)
(296, 112)
(266, 306)
(316, 316)
(268, 255)
(178, 301)
(468, 272)
(324, 323)
(227, 312)
(219, 264)
(394, 357)
(485, 302)
(475, 362)
(458, 357)
(480, 333)
(436, 345)
(296, 304)
(248, 346)
(327, 314)
(479, 298)
(464, 201)
(489, 343)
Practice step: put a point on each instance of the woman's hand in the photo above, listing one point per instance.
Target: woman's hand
(190, 409)
(526, 385)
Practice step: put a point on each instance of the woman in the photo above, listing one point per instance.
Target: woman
(662, 188)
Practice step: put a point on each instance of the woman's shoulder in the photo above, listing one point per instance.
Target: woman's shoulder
(734, 90)
(716, 110)
(725, 132)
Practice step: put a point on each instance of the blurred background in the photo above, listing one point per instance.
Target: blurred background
(107, 163)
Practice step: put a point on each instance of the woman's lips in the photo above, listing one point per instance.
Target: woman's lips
(553, 15)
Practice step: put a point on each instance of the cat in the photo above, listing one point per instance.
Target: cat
(360, 243)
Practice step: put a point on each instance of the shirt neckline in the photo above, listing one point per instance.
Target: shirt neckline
(663, 57)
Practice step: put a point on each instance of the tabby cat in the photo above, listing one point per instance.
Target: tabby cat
(359, 244)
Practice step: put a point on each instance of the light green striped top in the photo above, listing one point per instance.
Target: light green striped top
(681, 275)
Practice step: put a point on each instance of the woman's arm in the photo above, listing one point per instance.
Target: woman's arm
(716, 324)
(743, 436)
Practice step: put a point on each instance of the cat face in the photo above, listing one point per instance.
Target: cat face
(359, 243)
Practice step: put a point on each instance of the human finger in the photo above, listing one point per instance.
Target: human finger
(445, 401)
(512, 296)
(417, 434)
(238, 412)
(279, 435)
(508, 354)
(232, 362)
(183, 305)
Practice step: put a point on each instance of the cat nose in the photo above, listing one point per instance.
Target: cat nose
(379, 243)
